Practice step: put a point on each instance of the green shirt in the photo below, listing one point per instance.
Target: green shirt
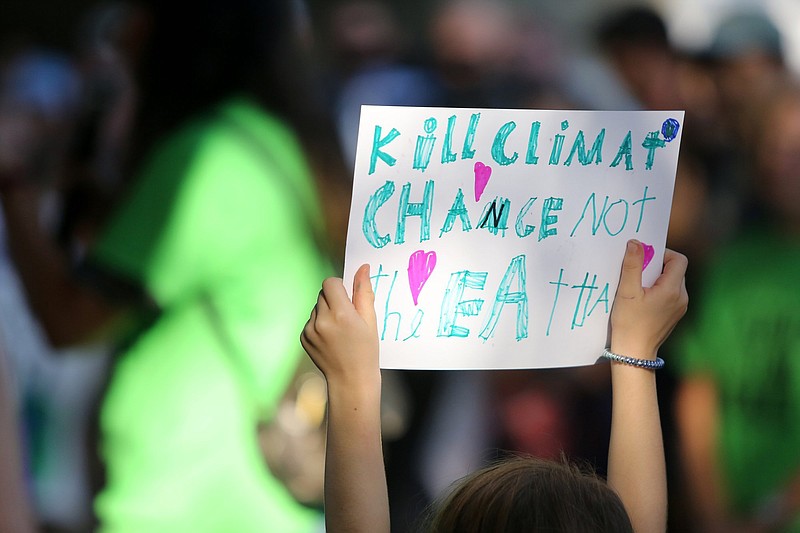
(747, 339)
(218, 219)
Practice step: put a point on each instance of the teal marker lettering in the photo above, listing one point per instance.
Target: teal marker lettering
(368, 225)
(522, 229)
(585, 293)
(558, 145)
(416, 322)
(457, 210)
(643, 200)
(467, 152)
(651, 143)
(549, 219)
(622, 221)
(454, 307)
(448, 155)
(558, 283)
(533, 143)
(390, 314)
(424, 146)
(624, 152)
(512, 290)
(499, 145)
(377, 144)
(579, 148)
(595, 220)
(421, 209)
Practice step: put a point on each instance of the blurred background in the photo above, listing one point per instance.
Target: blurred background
(691, 24)
(70, 110)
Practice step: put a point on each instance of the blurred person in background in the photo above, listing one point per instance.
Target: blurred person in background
(636, 44)
(16, 515)
(474, 47)
(40, 107)
(747, 50)
(373, 63)
(202, 274)
(747, 60)
(498, 54)
(739, 401)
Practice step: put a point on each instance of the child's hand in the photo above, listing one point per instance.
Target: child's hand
(341, 336)
(642, 318)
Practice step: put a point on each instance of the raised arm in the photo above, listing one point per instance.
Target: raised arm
(641, 319)
(341, 338)
(15, 509)
(68, 311)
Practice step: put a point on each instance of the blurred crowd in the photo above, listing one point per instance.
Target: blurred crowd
(180, 175)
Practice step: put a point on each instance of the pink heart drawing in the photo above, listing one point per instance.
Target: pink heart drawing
(420, 266)
(649, 252)
(482, 175)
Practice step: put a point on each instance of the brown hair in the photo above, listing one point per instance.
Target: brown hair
(523, 494)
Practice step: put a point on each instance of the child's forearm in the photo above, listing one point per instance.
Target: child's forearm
(341, 338)
(636, 467)
(640, 322)
(356, 498)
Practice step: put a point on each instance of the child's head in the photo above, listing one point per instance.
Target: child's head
(530, 495)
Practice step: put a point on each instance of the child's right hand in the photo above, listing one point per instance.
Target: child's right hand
(642, 318)
(341, 336)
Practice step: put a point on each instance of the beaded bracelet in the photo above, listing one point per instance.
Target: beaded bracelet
(649, 364)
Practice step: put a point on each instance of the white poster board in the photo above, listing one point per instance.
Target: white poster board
(495, 237)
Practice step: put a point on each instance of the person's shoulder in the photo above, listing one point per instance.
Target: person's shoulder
(242, 115)
(239, 131)
(236, 120)
(174, 151)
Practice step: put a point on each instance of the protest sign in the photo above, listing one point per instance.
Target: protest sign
(495, 237)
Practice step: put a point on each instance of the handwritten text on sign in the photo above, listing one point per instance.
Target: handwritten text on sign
(495, 237)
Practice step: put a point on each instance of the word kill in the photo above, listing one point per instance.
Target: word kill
(425, 145)
(461, 310)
